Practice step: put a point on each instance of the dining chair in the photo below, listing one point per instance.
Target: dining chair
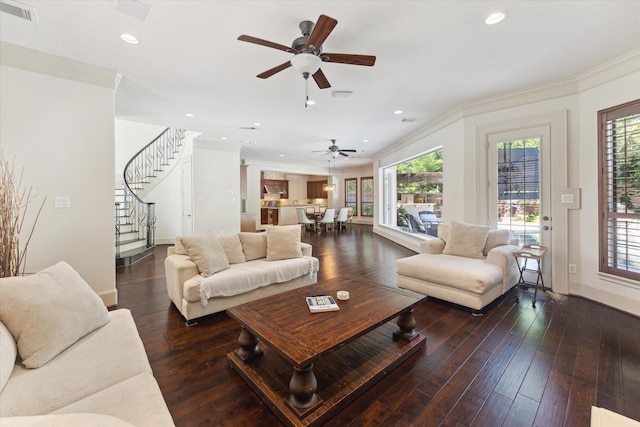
(341, 219)
(350, 216)
(327, 218)
(304, 220)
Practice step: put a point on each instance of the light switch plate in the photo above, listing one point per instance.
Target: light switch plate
(63, 202)
(570, 198)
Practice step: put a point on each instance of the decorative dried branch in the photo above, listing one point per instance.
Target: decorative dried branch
(12, 216)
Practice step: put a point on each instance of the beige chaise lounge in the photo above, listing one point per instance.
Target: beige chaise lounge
(469, 265)
(207, 274)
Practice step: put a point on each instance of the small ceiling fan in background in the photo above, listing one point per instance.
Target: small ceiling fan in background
(335, 151)
(308, 52)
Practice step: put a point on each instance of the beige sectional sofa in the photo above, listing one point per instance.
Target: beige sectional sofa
(467, 264)
(208, 274)
(67, 361)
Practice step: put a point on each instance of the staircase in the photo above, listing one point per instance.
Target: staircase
(135, 218)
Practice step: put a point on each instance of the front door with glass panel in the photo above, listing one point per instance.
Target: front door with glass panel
(519, 190)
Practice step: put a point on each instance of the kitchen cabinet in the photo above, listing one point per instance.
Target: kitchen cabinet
(272, 184)
(315, 190)
(269, 216)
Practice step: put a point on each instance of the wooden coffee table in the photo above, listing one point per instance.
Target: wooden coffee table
(335, 356)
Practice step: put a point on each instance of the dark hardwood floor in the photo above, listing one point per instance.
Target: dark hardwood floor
(514, 366)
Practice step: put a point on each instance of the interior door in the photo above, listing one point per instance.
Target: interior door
(187, 198)
(519, 189)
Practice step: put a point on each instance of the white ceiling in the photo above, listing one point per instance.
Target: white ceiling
(431, 57)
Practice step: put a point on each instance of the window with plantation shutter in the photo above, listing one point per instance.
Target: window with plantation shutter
(619, 190)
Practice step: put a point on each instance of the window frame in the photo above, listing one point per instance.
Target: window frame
(363, 203)
(608, 166)
(347, 203)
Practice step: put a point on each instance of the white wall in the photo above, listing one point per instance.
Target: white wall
(216, 188)
(62, 132)
(132, 137)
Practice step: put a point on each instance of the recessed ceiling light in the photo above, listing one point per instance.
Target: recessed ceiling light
(398, 112)
(281, 155)
(129, 38)
(311, 102)
(365, 140)
(257, 124)
(223, 138)
(495, 17)
(189, 114)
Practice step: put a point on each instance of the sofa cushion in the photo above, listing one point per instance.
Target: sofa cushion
(49, 311)
(207, 252)
(254, 245)
(65, 420)
(107, 356)
(468, 274)
(466, 240)
(496, 238)
(233, 248)
(242, 278)
(8, 354)
(137, 399)
(283, 242)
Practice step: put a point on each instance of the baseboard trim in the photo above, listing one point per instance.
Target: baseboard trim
(109, 298)
(620, 302)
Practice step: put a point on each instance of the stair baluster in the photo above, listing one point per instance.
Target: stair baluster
(136, 218)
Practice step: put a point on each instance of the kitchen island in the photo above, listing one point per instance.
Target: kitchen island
(287, 213)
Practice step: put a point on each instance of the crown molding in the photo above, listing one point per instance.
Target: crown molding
(56, 66)
(603, 73)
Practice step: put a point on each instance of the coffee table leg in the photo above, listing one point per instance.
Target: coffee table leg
(303, 386)
(248, 345)
(406, 325)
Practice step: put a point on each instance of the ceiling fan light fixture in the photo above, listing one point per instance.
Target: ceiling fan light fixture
(306, 63)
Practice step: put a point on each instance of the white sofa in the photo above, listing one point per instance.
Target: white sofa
(50, 377)
(204, 278)
(467, 264)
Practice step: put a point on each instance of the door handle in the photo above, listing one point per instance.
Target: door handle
(545, 227)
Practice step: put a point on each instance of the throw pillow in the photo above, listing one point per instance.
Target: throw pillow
(49, 311)
(443, 232)
(179, 249)
(207, 252)
(283, 242)
(233, 248)
(466, 240)
(254, 245)
(8, 353)
(496, 238)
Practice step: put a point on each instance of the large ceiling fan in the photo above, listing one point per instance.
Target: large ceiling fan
(308, 52)
(335, 151)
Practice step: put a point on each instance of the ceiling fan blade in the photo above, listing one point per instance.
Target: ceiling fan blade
(349, 151)
(321, 80)
(274, 70)
(343, 154)
(346, 58)
(321, 31)
(261, 42)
